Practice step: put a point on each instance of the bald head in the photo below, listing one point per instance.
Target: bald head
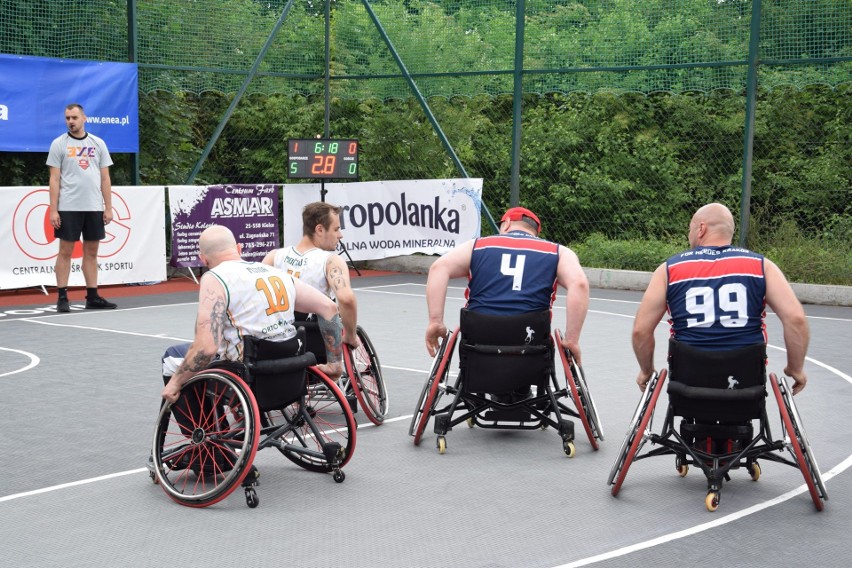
(217, 244)
(712, 225)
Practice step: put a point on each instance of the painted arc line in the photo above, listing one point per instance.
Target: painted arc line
(33, 361)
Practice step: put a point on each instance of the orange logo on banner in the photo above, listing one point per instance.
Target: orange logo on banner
(34, 234)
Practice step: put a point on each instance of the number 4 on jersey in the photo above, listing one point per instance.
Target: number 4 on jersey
(516, 271)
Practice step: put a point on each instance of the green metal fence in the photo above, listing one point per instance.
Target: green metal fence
(612, 118)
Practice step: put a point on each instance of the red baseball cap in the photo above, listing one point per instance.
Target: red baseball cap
(518, 213)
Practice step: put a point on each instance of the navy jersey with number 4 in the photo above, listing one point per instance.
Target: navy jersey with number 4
(512, 273)
(716, 297)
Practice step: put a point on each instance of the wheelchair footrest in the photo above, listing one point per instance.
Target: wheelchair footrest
(566, 429)
(332, 452)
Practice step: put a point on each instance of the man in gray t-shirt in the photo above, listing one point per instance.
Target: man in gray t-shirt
(80, 203)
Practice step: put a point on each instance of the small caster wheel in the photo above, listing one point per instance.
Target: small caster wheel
(682, 468)
(568, 448)
(712, 501)
(251, 498)
(754, 471)
(442, 444)
(339, 476)
(470, 422)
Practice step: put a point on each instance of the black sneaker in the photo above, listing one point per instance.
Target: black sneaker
(98, 303)
(62, 306)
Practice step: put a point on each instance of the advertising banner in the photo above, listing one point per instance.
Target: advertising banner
(393, 218)
(134, 249)
(250, 211)
(34, 92)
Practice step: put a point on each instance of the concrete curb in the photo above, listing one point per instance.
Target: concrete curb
(627, 280)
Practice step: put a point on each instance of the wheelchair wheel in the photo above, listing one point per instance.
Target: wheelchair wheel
(325, 417)
(431, 393)
(636, 434)
(576, 380)
(365, 376)
(797, 442)
(204, 444)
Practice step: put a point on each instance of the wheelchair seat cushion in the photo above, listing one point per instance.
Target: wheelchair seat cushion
(717, 385)
(505, 353)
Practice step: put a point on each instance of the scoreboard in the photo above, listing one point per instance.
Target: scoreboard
(322, 159)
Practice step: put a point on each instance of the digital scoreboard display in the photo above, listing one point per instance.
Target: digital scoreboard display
(322, 159)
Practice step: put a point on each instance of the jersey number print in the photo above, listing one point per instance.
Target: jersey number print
(276, 297)
(516, 271)
(701, 301)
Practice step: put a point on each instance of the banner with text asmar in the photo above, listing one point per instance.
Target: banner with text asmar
(393, 218)
(133, 251)
(34, 92)
(250, 211)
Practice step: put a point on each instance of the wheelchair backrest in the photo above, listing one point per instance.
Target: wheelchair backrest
(500, 354)
(276, 369)
(717, 385)
(314, 342)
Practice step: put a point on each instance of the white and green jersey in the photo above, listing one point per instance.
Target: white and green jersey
(309, 267)
(80, 161)
(260, 301)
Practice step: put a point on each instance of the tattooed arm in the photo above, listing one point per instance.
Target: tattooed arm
(209, 329)
(337, 274)
(311, 300)
(332, 336)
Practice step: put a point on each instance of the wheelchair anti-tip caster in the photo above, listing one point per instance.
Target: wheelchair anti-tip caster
(754, 471)
(251, 498)
(682, 468)
(712, 501)
(338, 476)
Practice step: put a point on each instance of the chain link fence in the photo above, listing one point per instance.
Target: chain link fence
(632, 113)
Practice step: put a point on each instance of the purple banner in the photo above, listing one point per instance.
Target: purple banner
(250, 211)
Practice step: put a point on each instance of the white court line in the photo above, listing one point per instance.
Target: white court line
(91, 328)
(129, 472)
(33, 361)
(845, 464)
(704, 526)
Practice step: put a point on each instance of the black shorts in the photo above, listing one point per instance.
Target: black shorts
(74, 223)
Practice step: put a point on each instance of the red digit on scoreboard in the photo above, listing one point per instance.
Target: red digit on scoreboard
(329, 165)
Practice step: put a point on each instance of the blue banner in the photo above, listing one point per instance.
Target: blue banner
(34, 92)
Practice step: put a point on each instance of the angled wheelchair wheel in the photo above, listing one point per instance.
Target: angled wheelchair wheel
(431, 393)
(365, 376)
(325, 417)
(576, 380)
(204, 444)
(636, 433)
(797, 440)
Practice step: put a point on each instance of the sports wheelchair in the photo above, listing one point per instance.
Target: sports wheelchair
(204, 444)
(362, 380)
(718, 395)
(506, 380)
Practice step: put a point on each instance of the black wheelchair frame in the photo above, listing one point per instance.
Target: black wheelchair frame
(740, 447)
(205, 443)
(527, 413)
(362, 381)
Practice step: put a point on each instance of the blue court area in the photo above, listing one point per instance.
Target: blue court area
(80, 396)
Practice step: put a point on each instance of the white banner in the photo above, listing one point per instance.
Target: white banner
(393, 218)
(134, 249)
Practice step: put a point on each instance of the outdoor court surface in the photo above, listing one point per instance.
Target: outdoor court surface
(80, 394)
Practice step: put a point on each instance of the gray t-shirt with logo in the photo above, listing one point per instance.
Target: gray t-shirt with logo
(79, 161)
